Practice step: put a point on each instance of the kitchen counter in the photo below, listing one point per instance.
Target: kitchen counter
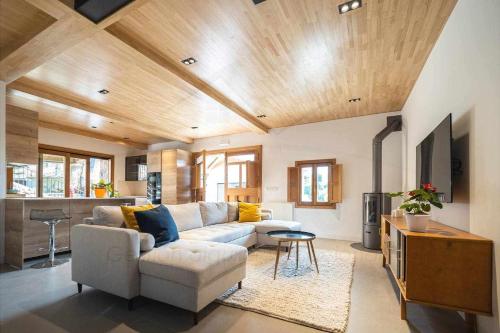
(88, 198)
(26, 239)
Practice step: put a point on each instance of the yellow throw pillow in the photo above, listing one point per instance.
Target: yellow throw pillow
(249, 212)
(128, 215)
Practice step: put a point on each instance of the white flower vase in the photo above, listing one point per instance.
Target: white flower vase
(417, 223)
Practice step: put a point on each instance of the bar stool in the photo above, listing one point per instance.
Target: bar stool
(51, 217)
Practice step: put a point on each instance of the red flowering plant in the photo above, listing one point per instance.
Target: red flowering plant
(419, 201)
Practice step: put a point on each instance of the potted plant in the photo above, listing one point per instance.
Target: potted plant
(100, 189)
(417, 205)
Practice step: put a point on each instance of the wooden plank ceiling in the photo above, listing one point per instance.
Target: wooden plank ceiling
(295, 62)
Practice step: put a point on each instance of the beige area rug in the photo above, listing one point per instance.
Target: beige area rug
(302, 296)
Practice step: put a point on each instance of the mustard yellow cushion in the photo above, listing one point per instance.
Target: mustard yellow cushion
(128, 215)
(249, 212)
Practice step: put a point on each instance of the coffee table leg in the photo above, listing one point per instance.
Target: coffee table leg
(309, 251)
(297, 259)
(289, 250)
(277, 259)
(314, 255)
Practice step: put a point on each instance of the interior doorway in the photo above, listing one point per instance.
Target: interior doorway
(215, 177)
(233, 174)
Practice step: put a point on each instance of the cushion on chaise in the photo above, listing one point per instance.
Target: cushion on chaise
(221, 233)
(192, 263)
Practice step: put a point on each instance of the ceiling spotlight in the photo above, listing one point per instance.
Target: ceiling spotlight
(261, 116)
(103, 91)
(189, 61)
(93, 126)
(194, 127)
(350, 5)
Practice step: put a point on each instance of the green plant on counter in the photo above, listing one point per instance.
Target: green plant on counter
(112, 193)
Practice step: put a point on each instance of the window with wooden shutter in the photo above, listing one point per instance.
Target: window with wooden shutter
(315, 183)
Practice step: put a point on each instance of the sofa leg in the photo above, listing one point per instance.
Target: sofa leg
(79, 286)
(239, 285)
(195, 318)
(131, 304)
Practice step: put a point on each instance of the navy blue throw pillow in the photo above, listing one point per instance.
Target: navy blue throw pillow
(159, 223)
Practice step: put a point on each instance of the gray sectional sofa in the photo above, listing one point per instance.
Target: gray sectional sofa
(209, 258)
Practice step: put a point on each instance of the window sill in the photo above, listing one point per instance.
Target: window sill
(331, 206)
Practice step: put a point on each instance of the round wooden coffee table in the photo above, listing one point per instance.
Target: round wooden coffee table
(288, 236)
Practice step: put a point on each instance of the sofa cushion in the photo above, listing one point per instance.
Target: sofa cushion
(129, 217)
(232, 211)
(213, 212)
(221, 233)
(147, 241)
(192, 263)
(272, 225)
(109, 216)
(159, 223)
(186, 216)
(249, 212)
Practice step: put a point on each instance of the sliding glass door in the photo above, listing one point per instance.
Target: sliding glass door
(53, 171)
(70, 174)
(78, 177)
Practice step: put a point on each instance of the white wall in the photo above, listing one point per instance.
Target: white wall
(68, 140)
(462, 77)
(3, 179)
(347, 140)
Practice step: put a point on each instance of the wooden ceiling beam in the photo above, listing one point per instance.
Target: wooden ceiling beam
(55, 39)
(174, 67)
(99, 136)
(30, 87)
(69, 29)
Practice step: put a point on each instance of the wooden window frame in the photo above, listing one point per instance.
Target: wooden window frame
(314, 164)
(68, 153)
(295, 183)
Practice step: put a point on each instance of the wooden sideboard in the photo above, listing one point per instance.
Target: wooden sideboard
(26, 239)
(443, 267)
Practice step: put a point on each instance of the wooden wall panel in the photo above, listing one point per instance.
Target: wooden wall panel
(21, 136)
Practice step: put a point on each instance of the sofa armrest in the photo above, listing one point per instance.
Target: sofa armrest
(106, 258)
(267, 214)
(88, 220)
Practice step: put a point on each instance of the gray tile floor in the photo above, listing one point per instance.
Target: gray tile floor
(46, 301)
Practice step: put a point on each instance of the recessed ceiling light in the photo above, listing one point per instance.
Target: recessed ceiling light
(261, 116)
(103, 91)
(93, 126)
(350, 5)
(354, 100)
(194, 127)
(189, 61)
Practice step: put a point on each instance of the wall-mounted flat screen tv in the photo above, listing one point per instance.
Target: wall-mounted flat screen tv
(434, 164)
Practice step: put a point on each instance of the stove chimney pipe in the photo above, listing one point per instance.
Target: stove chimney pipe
(394, 124)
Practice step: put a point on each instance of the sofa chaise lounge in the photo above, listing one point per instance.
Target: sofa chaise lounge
(208, 259)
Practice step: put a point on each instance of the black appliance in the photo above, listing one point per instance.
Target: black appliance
(434, 160)
(377, 203)
(154, 187)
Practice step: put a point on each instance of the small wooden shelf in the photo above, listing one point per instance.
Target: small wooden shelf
(443, 267)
